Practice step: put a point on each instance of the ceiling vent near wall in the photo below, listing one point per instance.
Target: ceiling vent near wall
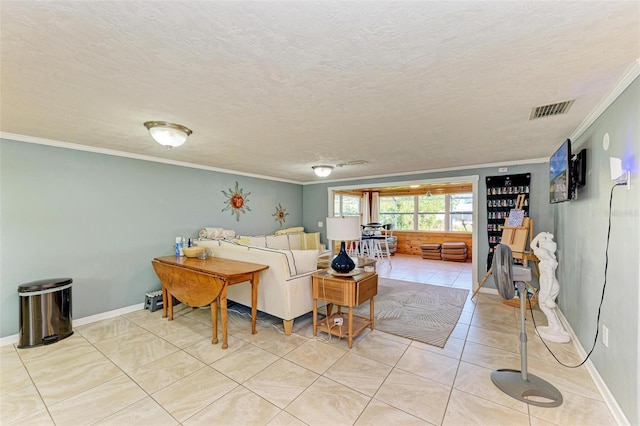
(551, 109)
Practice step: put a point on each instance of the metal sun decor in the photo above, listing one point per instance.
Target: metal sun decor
(236, 201)
(280, 214)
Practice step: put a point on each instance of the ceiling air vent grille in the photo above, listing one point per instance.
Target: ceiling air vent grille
(551, 109)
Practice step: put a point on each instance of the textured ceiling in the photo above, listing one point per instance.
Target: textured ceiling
(272, 88)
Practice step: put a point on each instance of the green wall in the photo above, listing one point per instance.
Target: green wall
(100, 219)
(581, 234)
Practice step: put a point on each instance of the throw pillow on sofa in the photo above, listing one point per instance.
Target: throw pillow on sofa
(280, 242)
(311, 241)
(295, 230)
(295, 240)
(216, 233)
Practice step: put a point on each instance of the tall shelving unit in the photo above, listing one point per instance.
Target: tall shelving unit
(502, 192)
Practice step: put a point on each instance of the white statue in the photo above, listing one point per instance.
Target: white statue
(544, 248)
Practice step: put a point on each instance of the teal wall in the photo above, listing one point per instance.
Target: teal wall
(315, 206)
(100, 219)
(581, 234)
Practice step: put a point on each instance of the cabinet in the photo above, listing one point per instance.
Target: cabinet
(343, 291)
(502, 192)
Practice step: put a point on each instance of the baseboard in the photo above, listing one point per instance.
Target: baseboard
(607, 396)
(107, 315)
(10, 340)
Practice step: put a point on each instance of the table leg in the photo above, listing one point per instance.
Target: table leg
(254, 301)
(170, 303)
(223, 314)
(350, 326)
(371, 312)
(164, 301)
(329, 308)
(315, 316)
(214, 321)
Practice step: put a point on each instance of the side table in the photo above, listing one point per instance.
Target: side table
(343, 291)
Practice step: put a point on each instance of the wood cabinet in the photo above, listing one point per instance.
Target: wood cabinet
(343, 291)
(409, 242)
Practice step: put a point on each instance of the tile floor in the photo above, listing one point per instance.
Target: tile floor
(139, 369)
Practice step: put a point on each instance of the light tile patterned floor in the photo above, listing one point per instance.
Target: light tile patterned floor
(139, 369)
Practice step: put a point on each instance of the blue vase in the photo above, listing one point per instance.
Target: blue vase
(342, 263)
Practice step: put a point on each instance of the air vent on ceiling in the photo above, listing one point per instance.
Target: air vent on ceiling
(551, 109)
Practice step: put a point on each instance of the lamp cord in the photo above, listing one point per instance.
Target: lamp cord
(604, 286)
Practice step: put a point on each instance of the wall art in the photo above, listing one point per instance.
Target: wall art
(236, 201)
(280, 214)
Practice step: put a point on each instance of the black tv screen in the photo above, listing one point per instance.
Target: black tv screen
(560, 174)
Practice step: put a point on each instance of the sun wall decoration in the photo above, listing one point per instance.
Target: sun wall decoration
(280, 214)
(236, 201)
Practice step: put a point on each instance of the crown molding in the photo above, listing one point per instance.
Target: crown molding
(632, 72)
(115, 153)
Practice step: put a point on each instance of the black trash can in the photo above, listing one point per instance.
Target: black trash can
(45, 312)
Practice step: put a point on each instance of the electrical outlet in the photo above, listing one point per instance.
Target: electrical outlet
(605, 335)
(337, 321)
(503, 169)
(320, 224)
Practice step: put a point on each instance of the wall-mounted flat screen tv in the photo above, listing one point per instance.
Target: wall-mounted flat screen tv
(560, 185)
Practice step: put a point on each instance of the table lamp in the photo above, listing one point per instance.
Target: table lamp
(343, 229)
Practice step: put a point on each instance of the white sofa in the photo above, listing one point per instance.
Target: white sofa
(284, 290)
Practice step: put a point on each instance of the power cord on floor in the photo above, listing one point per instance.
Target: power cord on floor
(604, 286)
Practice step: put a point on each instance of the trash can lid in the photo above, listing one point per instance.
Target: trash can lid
(44, 284)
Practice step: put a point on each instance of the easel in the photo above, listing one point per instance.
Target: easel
(517, 238)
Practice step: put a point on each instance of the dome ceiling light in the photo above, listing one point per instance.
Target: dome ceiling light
(168, 134)
(322, 171)
(325, 170)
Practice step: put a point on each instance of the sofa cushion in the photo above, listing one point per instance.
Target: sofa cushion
(280, 242)
(305, 260)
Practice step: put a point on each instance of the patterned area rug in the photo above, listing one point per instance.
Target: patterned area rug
(422, 312)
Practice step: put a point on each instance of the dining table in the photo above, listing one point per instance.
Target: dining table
(201, 282)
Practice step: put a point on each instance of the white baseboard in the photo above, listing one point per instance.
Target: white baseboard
(10, 340)
(607, 396)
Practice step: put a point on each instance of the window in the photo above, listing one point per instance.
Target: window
(460, 212)
(432, 212)
(397, 211)
(445, 213)
(346, 205)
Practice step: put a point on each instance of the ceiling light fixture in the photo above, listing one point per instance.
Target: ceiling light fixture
(322, 171)
(168, 134)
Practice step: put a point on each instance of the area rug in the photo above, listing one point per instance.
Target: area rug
(423, 312)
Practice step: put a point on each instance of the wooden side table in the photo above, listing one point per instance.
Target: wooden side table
(343, 291)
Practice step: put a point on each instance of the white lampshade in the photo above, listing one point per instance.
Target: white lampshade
(343, 228)
(322, 171)
(168, 134)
